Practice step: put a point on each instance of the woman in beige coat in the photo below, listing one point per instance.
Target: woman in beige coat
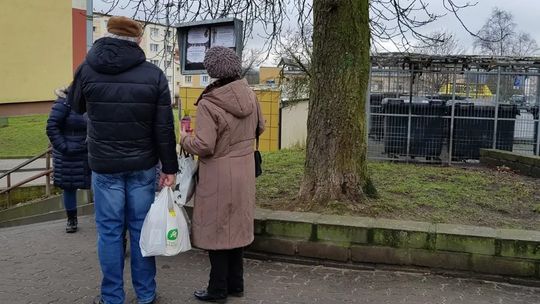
(228, 116)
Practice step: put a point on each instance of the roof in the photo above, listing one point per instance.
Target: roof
(461, 61)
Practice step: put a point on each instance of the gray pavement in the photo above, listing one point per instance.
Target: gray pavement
(41, 264)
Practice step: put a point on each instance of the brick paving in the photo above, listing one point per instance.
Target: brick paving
(41, 264)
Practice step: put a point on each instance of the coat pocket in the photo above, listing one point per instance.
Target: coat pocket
(207, 185)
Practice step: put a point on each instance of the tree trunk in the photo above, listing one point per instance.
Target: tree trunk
(336, 151)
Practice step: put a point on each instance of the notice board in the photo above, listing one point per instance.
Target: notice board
(195, 38)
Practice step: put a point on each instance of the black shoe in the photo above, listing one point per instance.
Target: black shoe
(71, 226)
(236, 292)
(205, 296)
(97, 300)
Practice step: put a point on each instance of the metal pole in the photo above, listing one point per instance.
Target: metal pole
(467, 83)
(497, 108)
(368, 107)
(452, 118)
(409, 121)
(48, 176)
(89, 24)
(538, 133)
(8, 186)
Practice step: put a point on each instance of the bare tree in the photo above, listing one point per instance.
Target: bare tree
(498, 36)
(440, 43)
(524, 45)
(294, 49)
(336, 154)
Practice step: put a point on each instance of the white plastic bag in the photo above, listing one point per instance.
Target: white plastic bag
(165, 229)
(185, 178)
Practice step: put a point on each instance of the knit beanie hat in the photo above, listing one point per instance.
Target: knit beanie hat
(123, 26)
(221, 62)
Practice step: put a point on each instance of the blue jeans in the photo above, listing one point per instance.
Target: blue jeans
(122, 200)
(70, 199)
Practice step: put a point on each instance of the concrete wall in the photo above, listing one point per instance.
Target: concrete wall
(37, 49)
(294, 125)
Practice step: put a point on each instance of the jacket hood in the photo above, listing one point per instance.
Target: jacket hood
(114, 56)
(235, 98)
(61, 92)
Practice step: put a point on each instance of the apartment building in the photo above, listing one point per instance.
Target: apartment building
(159, 45)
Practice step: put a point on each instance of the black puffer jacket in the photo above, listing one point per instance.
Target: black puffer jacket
(128, 102)
(67, 132)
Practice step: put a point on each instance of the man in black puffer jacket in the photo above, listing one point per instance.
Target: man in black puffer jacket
(130, 128)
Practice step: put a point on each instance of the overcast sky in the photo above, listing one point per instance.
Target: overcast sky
(526, 16)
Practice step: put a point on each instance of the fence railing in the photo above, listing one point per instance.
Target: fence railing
(47, 173)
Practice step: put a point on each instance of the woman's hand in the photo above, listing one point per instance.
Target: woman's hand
(184, 133)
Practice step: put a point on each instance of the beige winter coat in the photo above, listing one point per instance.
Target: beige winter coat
(224, 141)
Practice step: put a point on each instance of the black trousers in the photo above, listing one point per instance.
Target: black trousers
(227, 271)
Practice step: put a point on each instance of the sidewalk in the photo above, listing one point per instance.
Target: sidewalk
(41, 264)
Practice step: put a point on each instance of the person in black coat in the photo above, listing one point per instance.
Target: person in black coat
(130, 129)
(67, 132)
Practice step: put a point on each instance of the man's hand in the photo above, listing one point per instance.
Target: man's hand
(167, 180)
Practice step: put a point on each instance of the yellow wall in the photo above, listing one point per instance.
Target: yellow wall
(269, 73)
(269, 100)
(36, 49)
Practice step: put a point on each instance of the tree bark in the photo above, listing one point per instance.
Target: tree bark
(336, 152)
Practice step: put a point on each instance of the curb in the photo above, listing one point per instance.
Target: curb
(364, 242)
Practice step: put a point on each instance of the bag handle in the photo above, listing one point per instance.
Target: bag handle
(170, 199)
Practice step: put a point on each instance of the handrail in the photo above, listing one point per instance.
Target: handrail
(33, 159)
(47, 173)
(41, 174)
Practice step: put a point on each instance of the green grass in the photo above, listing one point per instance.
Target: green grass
(468, 195)
(24, 136)
(475, 196)
(25, 194)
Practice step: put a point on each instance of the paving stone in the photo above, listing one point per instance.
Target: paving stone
(40, 263)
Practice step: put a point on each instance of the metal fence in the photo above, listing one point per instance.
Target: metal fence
(445, 109)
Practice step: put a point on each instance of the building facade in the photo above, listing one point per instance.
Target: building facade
(43, 41)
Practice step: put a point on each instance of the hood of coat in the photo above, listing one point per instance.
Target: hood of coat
(61, 92)
(114, 56)
(235, 98)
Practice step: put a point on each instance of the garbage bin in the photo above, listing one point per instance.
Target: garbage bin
(535, 112)
(506, 125)
(376, 126)
(395, 127)
(474, 127)
(427, 127)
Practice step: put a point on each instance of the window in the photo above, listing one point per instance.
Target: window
(154, 61)
(94, 29)
(153, 47)
(169, 48)
(188, 79)
(177, 83)
(154, 32)
(167, 64)
(205, 79)
(178, 69)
